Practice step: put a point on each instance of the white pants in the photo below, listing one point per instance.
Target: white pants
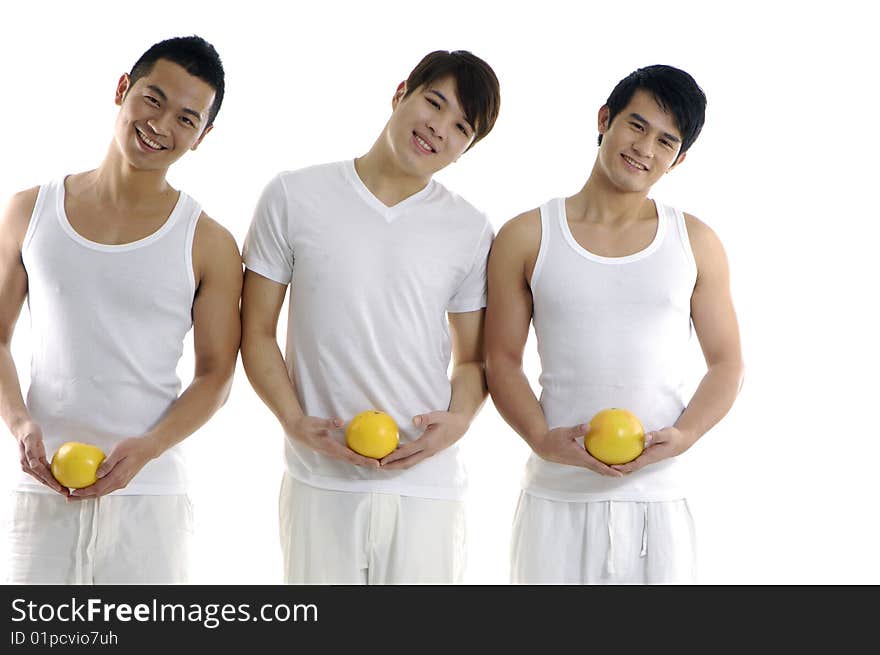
(107, 540)
(340, 537)
(608, 542)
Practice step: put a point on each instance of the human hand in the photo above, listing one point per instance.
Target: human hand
(125, 460)
(560, 445)
(659, 445)
(32, 455)
(442, 429)
(316, 433)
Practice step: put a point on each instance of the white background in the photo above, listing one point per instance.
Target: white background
(785, 488)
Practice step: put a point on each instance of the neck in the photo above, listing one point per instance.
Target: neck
(382, 174)
(600, 201)
(121, 184)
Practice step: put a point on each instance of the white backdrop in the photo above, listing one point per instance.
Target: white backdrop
(784, 490)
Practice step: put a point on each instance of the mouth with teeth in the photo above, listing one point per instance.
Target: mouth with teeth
(633, 163)
(147, 142)
(422, 144)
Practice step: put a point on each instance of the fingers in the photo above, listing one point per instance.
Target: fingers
(406, 462)
(430, 418)
(402, 452)
(333, 448)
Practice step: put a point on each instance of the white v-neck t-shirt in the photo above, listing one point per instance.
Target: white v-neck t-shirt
(367, 328)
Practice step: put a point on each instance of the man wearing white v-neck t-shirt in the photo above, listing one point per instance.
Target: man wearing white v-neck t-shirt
(388, 281)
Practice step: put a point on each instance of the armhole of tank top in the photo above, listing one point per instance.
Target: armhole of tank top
(544, 212)
(35, 216)
(195, 214)
(681, 228)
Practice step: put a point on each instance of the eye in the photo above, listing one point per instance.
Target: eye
(666, 143)
(151, 100)
(637, 126)
(187, 122)
(433, 102)
(463, 129)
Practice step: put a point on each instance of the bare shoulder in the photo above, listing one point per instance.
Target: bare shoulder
(708, 252)
(215, 250)
(704, 240)
(213, 238)
(17, 214)
(521, 233)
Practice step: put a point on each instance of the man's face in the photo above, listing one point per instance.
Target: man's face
(640, 145)
(427, 130)
(162, 115)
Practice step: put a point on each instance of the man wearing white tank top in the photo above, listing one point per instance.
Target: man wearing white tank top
(117, 266)
(614, 282)
(387, 270)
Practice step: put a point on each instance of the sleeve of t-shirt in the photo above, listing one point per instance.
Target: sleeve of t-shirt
(267, 247)
(471, 293)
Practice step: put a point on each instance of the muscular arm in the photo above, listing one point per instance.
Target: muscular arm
(13, 291)
(716, 326)
(507, 328)
(216, 337)
(264, 365)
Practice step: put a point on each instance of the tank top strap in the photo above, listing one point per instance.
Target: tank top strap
(677, 231)
(552, 213)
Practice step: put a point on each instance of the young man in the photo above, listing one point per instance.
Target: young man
(387, 272)
(613, 281)
(117, 266)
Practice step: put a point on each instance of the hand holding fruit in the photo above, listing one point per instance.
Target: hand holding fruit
(659, 445)
(317, 434)
(561, 446)
(441, 430)
(123, 462)
(32, 455)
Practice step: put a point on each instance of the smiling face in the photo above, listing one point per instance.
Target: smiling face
(428, 130)
(641, 144)
(163, 114)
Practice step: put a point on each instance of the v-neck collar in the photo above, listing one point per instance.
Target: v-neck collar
(388, 213)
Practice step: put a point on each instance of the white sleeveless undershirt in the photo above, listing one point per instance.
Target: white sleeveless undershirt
(611, 332)
(107, 330)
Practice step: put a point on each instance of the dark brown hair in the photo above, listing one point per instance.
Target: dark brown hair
(476, 84)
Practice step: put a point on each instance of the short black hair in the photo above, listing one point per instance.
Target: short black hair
(674, 90)
(195, 55)
(476, 84)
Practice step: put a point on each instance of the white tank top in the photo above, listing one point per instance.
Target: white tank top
(107, 330)
(611, 332)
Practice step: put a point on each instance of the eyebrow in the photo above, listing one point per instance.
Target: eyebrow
(186, 110)
(443, 98)
(642, 119)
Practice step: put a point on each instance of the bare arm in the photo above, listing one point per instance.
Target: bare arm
(508, 316)
(216, 337)
(468, 381)
(716, 326)
(264, 365)
(13, 291)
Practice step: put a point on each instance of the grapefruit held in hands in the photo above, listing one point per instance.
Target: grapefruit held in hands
(372, 434)
(75, 465)
(616, 436)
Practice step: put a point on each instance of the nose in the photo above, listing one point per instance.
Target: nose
(644, 145)
(435, 125)
(159, 124)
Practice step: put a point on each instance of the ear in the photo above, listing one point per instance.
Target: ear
(122, 88)
(199, 140)
(398, 95)
(677, 161)
(604, 113)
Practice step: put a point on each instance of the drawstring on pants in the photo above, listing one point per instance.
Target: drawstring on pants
(609, 558)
